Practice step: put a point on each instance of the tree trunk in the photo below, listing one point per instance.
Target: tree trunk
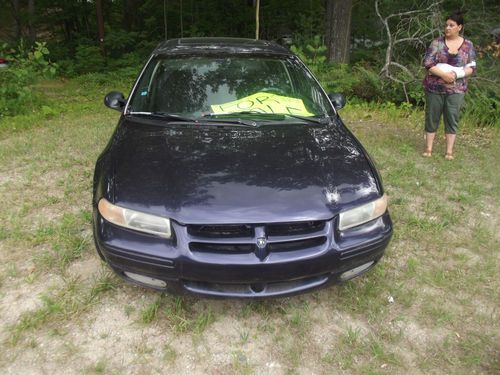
(100, 24)
(31, 21)
(16, 16)
(338, 30)
(130, 11)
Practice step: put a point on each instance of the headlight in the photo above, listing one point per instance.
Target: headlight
(140, 221)
(363, 214)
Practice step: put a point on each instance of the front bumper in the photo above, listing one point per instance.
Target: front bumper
(186, 267)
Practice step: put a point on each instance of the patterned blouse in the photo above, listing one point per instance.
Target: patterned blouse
(438, 53)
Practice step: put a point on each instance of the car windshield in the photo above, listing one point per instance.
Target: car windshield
(203, 86)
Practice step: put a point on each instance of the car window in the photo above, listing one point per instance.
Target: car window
(198, 85)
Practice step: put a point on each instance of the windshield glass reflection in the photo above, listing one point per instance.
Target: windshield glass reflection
(196, 86)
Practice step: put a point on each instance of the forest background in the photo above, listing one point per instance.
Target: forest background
(370, 50)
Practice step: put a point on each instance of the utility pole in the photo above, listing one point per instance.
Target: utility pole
(165, 5)
(257, 8)
(182, 26)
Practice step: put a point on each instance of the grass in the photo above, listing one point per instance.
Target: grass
(430, 305)
(68, 241)
(169, 353)
(98, 368)
(65, 303)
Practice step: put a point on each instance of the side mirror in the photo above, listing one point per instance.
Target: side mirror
(115, 100)
(338, 100)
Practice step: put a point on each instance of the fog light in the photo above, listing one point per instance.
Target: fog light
(157, 283)
(355, 271)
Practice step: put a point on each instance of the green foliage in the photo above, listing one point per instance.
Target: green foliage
(48, 112)
(26, 65)
(88, 59)
(38, 61)
(118, 42)
(129, 63)
(119, 79)
(482, 104)
(359, 81)
(482, 101)
(15, 95)
(416, 93)
(313, 55)
(334, 77)
(369, 85)
(121, 50)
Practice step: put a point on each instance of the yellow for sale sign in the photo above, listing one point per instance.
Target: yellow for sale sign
(265, 103)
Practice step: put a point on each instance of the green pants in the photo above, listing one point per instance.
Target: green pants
(446, 104)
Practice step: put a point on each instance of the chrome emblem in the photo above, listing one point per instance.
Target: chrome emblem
(261, 242)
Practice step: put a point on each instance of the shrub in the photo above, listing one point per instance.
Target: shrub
(368, 85)
(15, 94)
(88, 58)
(334, 77)
(118, 42)
(129, 61)
(482, 104)
(25, 67)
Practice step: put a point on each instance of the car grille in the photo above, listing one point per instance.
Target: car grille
(220, 231)
(297, 245)
(259, 239)
(288, 229)
(255, 290)
(221, 248)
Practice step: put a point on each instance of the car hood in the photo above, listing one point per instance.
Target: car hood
(233, 174)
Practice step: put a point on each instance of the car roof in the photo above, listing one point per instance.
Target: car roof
(204, 46)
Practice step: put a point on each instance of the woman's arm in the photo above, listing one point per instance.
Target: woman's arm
(469, 72)
(431, 60)
(448, 77)
(470, 67)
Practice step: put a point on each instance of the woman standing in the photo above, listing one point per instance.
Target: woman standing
(449, 61)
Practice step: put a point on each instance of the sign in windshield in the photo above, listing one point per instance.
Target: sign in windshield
(265, 103)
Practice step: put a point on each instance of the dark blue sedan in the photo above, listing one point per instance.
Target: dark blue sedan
(230, 173)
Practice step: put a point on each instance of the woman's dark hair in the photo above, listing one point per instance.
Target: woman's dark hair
(457, 16)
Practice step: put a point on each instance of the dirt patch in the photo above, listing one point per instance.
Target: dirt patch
(19, 297)
(419, 336)
(85, 269)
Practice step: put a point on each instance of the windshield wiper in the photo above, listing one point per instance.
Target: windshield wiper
(320, 120)
(236, 121)
(164, 115)
(174, 117)
(215, 114)
(270, 116)
(230, 117)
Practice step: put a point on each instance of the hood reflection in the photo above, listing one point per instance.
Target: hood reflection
(264, 171)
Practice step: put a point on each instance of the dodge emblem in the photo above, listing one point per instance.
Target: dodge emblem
(261, 242)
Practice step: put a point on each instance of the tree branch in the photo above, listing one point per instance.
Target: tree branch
(411, 12)
(411, 29)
